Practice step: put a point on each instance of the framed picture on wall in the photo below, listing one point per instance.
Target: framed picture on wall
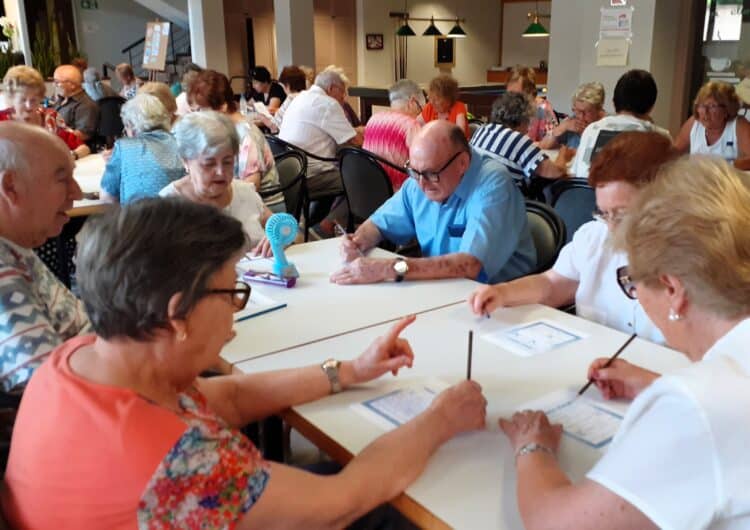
(374, 41)
(445, 53)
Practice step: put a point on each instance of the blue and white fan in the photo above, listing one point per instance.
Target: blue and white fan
(281, 229)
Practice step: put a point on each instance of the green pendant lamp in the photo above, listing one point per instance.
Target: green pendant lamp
(457, 32)
(535, 29)
(432, 29)
(405, 30)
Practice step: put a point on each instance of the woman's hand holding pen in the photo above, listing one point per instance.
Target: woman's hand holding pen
(621, 380)
(486, 299)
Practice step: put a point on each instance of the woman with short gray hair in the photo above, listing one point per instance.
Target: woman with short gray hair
(208, 145)
(513, 110)
(146, 160)
(388, 134)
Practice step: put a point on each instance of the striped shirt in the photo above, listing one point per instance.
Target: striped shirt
(37, 314)
(515, 150)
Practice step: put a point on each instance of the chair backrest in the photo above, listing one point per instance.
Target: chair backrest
(110, 122)
(604, 137)
(574, 201)
(366, 184)
(277, 145)
(547, 231)
(292, 167)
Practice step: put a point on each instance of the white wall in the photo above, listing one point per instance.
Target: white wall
(474, 54)
(517, 49)
(104, 32)
(574, 31)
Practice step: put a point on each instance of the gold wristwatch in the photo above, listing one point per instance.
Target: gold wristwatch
(331, 368)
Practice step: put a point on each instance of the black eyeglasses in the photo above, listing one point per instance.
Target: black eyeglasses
(431, 176)
(626, 283)
(239, 295)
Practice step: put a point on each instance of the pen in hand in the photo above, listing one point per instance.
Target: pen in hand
(468, 360)
(608, 363)
(341, 231)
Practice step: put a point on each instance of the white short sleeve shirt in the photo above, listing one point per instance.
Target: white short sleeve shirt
(616, 122)
(591, 260)
(246, 206)
(316, 122)
(681, 453)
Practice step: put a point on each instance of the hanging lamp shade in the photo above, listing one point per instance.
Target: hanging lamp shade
(535, 29)
(432, 29)
(405, 30)
(457, 32)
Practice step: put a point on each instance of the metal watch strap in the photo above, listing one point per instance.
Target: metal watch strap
(330, 367)
(532, 448)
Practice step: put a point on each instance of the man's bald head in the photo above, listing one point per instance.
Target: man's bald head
(68, 80)
(36, 184)
(440, 148)
(439, 137)
(21, 143)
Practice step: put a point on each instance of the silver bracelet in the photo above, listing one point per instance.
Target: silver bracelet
(533, 447)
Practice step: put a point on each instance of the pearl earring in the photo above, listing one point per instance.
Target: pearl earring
(674, 316)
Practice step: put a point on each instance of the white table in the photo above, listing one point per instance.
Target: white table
(88, 173)
(318, 309)
(470, 482)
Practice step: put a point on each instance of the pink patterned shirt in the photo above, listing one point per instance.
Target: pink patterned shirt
(388, 134)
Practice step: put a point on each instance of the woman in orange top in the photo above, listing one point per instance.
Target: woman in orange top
(444, 104)
(117, 431)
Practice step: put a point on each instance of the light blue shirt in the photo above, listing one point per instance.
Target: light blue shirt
(485, 217)
(141, 166)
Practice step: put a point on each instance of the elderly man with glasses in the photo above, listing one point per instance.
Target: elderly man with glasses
(79, 111)
(462, 207)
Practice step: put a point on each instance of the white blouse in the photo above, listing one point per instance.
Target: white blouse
(681, 453)
(591, 260)
(246, 206)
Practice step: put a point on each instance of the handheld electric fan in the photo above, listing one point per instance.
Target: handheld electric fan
(281, 229)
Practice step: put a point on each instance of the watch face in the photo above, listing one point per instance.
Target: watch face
(400, 267)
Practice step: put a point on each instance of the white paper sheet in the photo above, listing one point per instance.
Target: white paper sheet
(258, 304)
(583, 419)
(398, 407)
(534, 337)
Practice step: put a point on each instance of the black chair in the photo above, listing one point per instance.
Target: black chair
(574, 201)
(292, 167)
(279, 146)
(547, 231)
(110, 124)
(366, 184)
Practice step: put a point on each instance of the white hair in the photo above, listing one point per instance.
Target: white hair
(404, 90)
(145, 113)
(205, 133)
(330, 76)
(15, 139)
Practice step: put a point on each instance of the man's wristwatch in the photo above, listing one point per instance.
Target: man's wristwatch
(400, 267)
(331, 368)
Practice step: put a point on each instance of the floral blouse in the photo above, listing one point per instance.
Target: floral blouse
(209, 479)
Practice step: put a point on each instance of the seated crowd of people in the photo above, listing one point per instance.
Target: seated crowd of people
(115, 369)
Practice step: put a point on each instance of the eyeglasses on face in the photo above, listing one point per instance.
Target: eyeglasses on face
(712, 107)
(431, 176)
(238, 296)
(626, 283)
(614, 216)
